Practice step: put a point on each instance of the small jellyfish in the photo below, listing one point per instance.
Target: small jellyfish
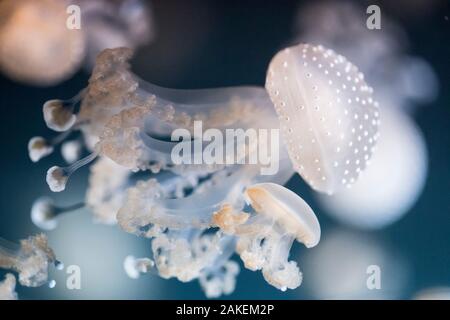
(8, 288)
(30, 259)
(265, 237)
(392, 183)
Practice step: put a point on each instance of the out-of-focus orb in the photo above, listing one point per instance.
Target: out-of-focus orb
(392, 182)
(338, 268)
(36, 46)
(436, 293)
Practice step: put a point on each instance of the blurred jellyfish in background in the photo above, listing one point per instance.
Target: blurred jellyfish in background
(112, 24)
(400, 79)
(392, 182)
(39, 49)
(341, 266)
(434, 293)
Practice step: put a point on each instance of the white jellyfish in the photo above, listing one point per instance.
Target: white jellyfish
(128, 124)
(351, 265)
(327, 114)
(8, 288)
(392, 183)
(188, 255)
(433, 293)
(30, 259)
(39, 48)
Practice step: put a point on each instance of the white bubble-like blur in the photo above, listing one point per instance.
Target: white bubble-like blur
(388, 188)
(36, 47)
(337, 268)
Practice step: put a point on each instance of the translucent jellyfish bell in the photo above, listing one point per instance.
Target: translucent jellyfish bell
(8, 287)
(30, 259)
(390, 186)
(266, 237)
(328, 117)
